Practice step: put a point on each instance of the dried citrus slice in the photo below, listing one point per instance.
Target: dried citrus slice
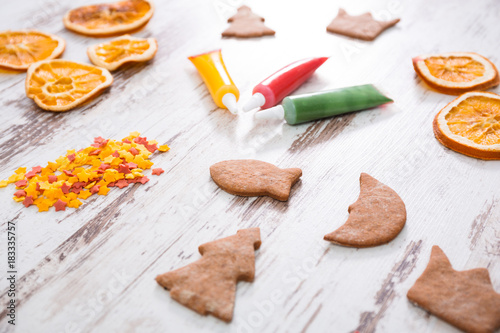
(19, 49)
(110, 18)
(471, 125)
(121, 50)
(60, 85)
(457, 72)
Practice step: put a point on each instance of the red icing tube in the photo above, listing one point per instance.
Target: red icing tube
(272, 90)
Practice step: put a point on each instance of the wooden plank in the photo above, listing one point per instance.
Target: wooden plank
(93, 269)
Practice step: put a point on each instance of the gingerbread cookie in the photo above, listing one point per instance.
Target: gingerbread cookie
(376, 218)
(208, 286)
(251, 178)
(464, 299)
(246, 24)
(363, 26)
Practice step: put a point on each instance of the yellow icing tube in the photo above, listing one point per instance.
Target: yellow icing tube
(213, 71)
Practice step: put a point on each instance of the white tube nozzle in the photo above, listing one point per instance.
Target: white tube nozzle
(229, 101)
(256, 101)
(274, 113)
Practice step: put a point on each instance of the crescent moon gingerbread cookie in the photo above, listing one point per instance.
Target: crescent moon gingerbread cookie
(376, 218)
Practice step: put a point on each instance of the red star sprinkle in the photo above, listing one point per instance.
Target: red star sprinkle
(116, 154)
(133, 151)
(121, 183)
(123, 168)
(157, 171)
(36, 169)
(152, 148)
(95, 189)
(111, 185)
(126, 141)
(20, 193)
(65, 188)
(38, 187)
(60, 205)
(99, 142)
(52, 178)
(140, 140)
(132, 165)
(95, 152)
(28, 201)
(79, 184)
(144, 180)
(76, 190)
(30, 174)
(68, 173)
(71, 157)
(104, 166)
(21, 183)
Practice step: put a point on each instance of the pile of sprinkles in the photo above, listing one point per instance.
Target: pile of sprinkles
(79, 174)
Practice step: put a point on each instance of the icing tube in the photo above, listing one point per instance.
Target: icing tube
(308, 107)
(214, 73)
(272, 90)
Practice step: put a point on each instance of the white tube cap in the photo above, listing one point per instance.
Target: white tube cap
(256, 101)
(274, 113)
(229, 101)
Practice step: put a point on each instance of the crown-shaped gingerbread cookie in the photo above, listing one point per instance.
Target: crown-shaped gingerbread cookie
(464, 299)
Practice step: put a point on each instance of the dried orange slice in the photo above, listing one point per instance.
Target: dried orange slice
(457, 72)
(121, 50)
(60, 85)
(471, 125)
(19, 49)
(110, 18)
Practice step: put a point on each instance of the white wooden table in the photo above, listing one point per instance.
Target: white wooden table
(92, 269)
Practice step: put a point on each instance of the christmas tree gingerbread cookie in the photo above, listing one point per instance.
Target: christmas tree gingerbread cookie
(208, 286)
(246, 24)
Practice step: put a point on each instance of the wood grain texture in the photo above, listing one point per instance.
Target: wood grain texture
(92, 269)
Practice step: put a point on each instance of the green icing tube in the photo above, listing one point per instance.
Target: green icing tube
(308, 107)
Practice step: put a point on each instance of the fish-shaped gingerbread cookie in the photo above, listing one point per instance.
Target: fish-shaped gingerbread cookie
(251, 178)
